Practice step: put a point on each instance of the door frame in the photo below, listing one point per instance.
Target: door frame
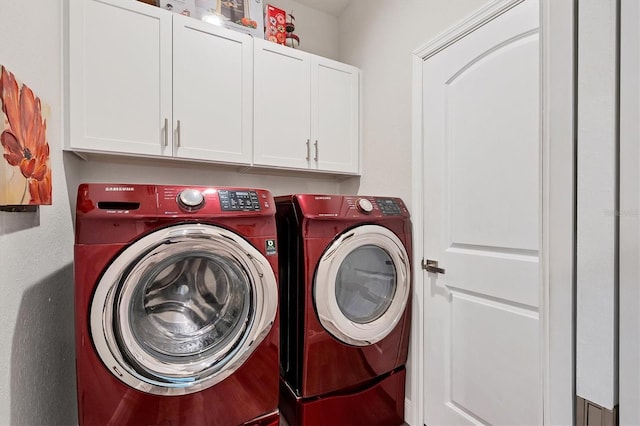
(629, 251)
(557, 201)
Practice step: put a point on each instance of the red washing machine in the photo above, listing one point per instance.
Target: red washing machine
(345, 291)
(176, 306)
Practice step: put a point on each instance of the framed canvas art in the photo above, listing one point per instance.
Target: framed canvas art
(25, 167)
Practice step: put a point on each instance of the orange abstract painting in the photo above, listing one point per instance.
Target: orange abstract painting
(25, 169)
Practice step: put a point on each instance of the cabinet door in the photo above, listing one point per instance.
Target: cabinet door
(335, 129)
(281, 106)
(212, 92)
(119, 77)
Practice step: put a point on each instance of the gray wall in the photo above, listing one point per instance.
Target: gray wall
(37, 381)
(379, 37)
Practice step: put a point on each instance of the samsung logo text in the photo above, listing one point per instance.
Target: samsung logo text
(119, 189)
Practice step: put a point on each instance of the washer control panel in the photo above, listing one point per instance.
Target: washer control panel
(239, 200)
(388, 206)
(191, 199)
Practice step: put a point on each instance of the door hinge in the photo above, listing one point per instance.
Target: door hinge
(431, 266)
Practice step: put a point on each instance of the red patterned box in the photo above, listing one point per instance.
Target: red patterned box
(275, 21)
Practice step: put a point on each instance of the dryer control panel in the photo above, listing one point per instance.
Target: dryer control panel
(375, 206)
(334, 207)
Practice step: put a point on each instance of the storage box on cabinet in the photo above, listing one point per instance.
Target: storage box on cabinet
(306, 111)
(145, 81)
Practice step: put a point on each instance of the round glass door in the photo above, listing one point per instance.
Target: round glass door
(182, 308)
(185, 306)
(365, 284)
(362, 285)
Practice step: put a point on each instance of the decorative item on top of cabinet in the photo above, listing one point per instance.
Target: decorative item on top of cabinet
(292, 39)
(306, 111)
(239, 15)
(183, 7)
(145, 81)
(275, 20)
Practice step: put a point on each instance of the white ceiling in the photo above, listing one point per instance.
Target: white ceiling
(332, 7)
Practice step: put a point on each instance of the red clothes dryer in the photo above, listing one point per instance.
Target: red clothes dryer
(176, 306)
(345, 281)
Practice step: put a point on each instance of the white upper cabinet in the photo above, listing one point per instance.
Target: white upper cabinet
(335, 129)
(282, 117)
(146, 81)
(119, 77)
(212, 99)
(306, 111)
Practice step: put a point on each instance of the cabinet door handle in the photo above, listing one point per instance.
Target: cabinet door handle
(166, 132)
(315, 144)
(308, 157)
(178, 133)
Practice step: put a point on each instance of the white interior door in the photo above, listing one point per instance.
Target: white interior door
(481, 124)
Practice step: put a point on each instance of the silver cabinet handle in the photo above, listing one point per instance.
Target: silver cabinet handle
(178, 133)
(308, 157)
(166, 132)
(315, 144)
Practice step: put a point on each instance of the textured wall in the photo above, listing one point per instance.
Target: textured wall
(379, 37)
(37, 381)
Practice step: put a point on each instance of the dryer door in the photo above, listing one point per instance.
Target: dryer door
(182, 308)
(362, 285)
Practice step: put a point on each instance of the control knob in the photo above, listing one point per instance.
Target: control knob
(191, 199)
(364, 205)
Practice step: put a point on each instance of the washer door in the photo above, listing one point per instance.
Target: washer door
(182, 308)
(362, 285)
